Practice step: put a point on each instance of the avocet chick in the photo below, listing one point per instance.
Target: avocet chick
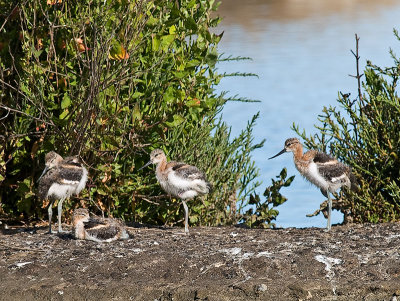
(61, 179)
(179, 180)
(322, 170)
(96, 228)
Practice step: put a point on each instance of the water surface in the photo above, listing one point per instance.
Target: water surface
(301, 52)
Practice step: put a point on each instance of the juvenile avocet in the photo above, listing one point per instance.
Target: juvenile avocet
(179, 179)
(61, 179)
(321, 169)
(97, 228)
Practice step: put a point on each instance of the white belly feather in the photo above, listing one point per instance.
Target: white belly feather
(82, 182)
(182, 187)
(314, 177)
(68, 187)
(59, 191)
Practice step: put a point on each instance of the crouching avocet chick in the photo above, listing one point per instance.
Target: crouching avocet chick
(96, 228)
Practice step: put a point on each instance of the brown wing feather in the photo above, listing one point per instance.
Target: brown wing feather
(70, 174)
(102, 228)
(321, 157)
(46, 181)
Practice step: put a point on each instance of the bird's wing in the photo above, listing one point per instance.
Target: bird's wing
(188, 171)
(73, 160)
(46, 181)
(102, 229)
(177, 165)
(330, 168)
(70, 175)
(322, 158)
(335, 173)
(94, 222)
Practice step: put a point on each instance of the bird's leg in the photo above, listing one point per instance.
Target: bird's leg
(186, 217)
(59, 207)
(328, 226)
(50, 212)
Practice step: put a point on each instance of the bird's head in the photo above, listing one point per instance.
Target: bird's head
(52, 159)
(156, 156)
(80, 215)
(291, 145)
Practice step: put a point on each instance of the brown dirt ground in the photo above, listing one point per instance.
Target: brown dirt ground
(355, 262)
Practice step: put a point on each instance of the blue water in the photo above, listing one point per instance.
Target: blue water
(302, 60)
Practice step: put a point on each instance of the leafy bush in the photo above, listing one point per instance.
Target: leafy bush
(109, 81)
(365, 134)
(265, 212)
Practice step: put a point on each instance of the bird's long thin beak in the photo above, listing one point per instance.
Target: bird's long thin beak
(278, 154)
(43, 173)
(147, 164)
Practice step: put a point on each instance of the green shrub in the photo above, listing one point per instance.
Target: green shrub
(365, 134)
(110, 81)
(264, 213)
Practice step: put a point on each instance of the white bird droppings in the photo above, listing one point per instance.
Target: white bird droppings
(232, 251)
(264, 254)
(328, 261)
(21, 264)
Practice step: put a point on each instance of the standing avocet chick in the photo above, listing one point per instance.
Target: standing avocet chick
(321, 169)
(179, 179)
(96, 228)
(60, 180)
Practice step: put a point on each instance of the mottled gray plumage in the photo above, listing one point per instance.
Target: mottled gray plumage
(321, 157)
(102, 233)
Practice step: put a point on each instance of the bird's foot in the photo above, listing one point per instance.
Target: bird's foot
(51, 231)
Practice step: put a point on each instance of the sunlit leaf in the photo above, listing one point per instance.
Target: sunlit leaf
(66, 102)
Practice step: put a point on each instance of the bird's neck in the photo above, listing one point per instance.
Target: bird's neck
(79, 230)
(162, 166)
(298, 153)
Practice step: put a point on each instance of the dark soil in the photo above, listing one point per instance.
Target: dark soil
(357, 262)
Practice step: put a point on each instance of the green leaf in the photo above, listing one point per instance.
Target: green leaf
(169, 96)
(172, 29)
(137, 94)
(64, 114)
(136, 114)
(177, 120)
(211, 58)
(193, 103)
(166, 41)
(24, 89)
(110, 91)
(155, 42)
(190, 23)
(193, 63)
(66, 101)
